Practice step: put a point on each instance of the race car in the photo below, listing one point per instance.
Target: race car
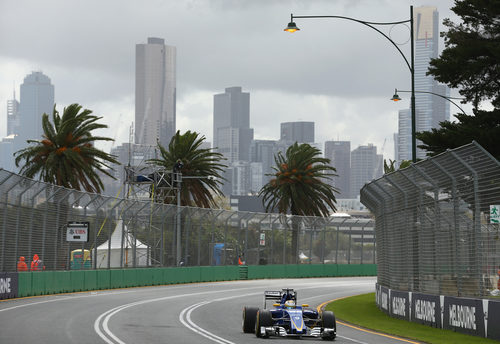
(286, 318)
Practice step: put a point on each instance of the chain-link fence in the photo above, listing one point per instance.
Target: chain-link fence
(435, 224)
(34, 219)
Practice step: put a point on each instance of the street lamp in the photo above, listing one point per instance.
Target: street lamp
(178, 178)
(396, 97)
(292, 27)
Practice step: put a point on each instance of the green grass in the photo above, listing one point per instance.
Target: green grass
(361, 310)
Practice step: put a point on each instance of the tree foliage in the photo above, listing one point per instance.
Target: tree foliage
(300, 183)
(484, 128)
(471, 58)
(200, 169)
(470, 62)
(66, 155)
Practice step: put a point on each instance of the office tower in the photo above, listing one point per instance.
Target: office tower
(241, 178)
(12, 115)
(366, 165)
(301, 132)
(232, 133)
(155, 92)
(257, 177)
(339, 153)
(430, 109)
(37, 98)
(263, 151)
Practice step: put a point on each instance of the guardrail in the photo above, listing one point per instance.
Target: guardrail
(22, 284)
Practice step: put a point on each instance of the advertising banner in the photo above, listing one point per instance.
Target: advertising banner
(493, 314)
(464, 315)
(8, 285)
(400, 304)
(426, 309)
(383, 298)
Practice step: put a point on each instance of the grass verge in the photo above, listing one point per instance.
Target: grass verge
(361, 310)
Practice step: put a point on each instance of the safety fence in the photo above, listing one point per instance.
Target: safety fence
(437, 224)
(72, 230)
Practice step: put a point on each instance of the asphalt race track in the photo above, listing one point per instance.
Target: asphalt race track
(188, 313)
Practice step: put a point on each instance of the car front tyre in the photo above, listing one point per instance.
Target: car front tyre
(249, 315)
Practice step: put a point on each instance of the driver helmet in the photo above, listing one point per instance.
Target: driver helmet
(290, 304)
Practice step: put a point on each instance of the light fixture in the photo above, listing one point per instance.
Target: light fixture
(395, 97)
(291, 27)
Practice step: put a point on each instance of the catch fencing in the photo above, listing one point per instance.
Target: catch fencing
(131, 233)
(437, 224)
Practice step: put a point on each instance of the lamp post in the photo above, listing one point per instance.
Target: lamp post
(178, 178)
(292, 27)
(396, 98)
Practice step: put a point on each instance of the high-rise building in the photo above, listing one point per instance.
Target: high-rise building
(12, 115)
(430, 109)
(24, 118)
(232, 133)
(301, 132)
(366, 165)
(37, 98)
(263, 151)
(339, 153)
(155, 92)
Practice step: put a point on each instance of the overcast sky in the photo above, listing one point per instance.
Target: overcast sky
(337, 73)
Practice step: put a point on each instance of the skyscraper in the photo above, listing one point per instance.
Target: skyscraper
(430, 109)
(339, 153)
(12, 115)
(24, 118)
(155, 92)
(232, 133)
(302, 132)
(263, 151)
(366, 165)
(37, 98)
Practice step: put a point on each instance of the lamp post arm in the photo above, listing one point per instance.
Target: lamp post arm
(439, 95)
(370, 25)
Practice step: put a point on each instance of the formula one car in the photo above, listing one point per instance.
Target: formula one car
(288, 319)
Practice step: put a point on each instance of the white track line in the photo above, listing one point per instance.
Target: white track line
(195, 328)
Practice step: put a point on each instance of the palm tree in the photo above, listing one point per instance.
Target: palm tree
(66, 155)
(300, 187)
(200, 167)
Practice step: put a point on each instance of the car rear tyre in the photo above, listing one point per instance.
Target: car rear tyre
(328, 321)
(249, 315)
(264, 318)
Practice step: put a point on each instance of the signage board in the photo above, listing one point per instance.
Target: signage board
(464, 315)
(8, 285)
(495, 213)
(426, 309)
(262, 241)
(77, 232)
(399, 304)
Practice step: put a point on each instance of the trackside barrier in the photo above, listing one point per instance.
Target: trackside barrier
(54, 282)
(477, 317)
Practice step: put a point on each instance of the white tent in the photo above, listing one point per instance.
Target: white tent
(121, 234)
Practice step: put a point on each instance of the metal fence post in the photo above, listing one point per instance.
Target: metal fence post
(477, 221)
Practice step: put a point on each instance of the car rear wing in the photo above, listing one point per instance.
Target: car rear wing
(279, 295)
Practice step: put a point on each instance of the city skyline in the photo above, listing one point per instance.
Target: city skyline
(291, 77)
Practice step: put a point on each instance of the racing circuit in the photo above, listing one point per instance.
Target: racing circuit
(189, 313)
